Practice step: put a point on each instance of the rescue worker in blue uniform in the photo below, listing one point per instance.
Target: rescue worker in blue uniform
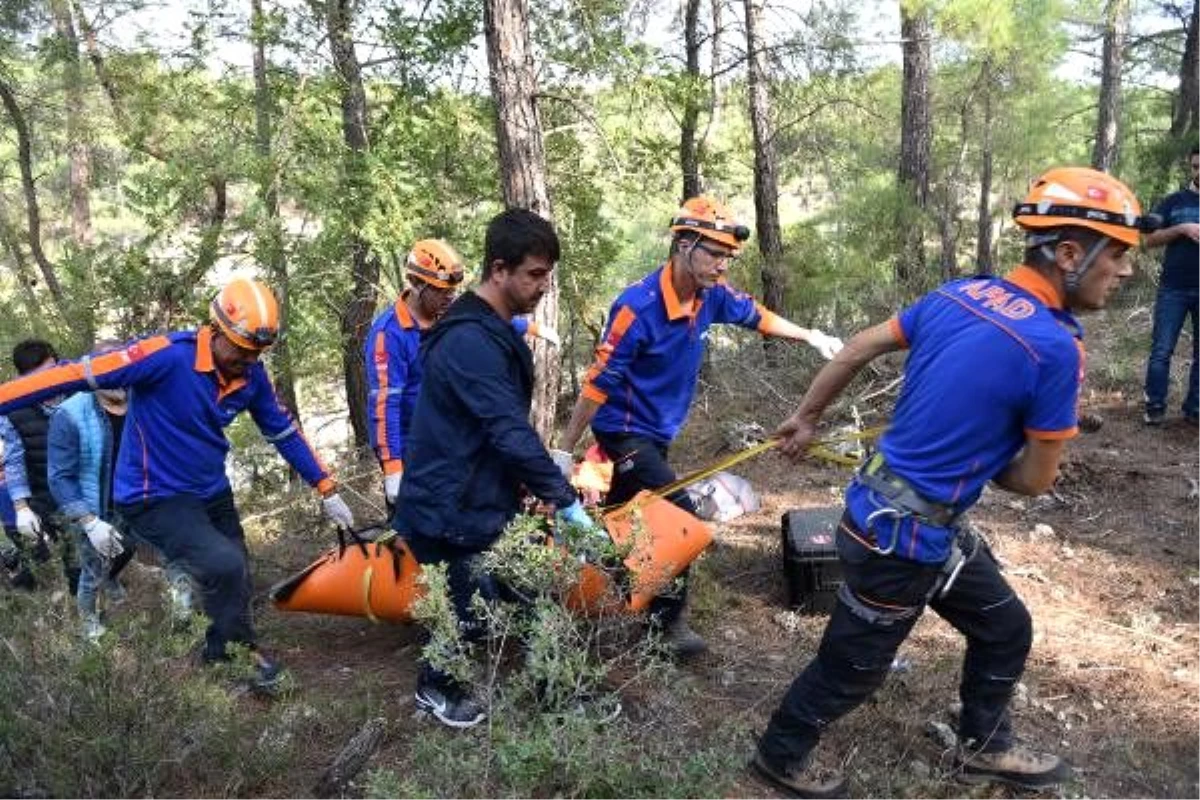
(434, 271)
(637, 393)
(170, 485)
(990, 393)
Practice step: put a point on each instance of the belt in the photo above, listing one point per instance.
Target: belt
(967, 543)
(877, 476)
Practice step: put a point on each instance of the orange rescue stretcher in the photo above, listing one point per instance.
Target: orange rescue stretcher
(380, 579)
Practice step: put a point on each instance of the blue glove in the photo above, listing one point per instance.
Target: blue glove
(588, 538)
(575, 515)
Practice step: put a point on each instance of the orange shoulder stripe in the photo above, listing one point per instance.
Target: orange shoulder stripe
(381, 375)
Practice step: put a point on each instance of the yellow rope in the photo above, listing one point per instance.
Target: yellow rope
(819, 448)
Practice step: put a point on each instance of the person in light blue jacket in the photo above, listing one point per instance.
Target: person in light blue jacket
(84, 439)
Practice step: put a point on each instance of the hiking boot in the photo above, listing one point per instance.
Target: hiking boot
(1154, 417)
(682, 641)
(809, 780)
(454, 708)
(1017, 766)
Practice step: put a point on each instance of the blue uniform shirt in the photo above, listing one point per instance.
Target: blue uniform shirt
(648, 363)
(394, 374)
(1181, 260)
(992, 362)
(393, 378)
(174, 441)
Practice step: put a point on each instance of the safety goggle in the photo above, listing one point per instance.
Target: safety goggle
(739, 232)
(453, 276)
(1146, 223)
(261, 337)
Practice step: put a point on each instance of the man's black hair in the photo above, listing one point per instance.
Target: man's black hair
(514, 234)
(682, 238)
(30, 354)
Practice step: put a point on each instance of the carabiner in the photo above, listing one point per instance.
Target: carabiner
(886, 512)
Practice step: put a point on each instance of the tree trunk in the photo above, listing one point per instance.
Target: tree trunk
(916, 137)
(33, 213)
(1108, 118)
(1183, 115)
(689, 157)
(364, 270)
(269, 238)
(983, 241)
(766, 177)
(523, 167)
(78, 147)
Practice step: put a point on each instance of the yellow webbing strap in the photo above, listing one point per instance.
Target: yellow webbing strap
(819, 448)
(366, 585)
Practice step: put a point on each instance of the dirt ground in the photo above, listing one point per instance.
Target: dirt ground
(1107, 565)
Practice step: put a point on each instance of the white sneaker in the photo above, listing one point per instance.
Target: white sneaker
(93, 629)
(179, 596)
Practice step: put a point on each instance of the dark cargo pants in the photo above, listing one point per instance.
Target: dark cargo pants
(854, 655)
(204, 538)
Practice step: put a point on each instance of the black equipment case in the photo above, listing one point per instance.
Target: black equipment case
(810, 560)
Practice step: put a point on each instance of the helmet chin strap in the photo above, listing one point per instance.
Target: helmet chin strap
(1072, 279)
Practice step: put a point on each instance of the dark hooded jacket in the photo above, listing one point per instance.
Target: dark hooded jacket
(471, 446)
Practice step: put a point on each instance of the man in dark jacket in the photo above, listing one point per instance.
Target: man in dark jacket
(471, 446)
(25, 433)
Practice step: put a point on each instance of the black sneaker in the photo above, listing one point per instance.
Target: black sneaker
(269, 676)
(456, 709)
(1154, 417)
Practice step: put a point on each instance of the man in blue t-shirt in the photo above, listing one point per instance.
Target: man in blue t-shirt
(637, 394)
(990, 394)
(1177, 295)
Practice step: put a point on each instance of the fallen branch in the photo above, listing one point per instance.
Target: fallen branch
(352, 759)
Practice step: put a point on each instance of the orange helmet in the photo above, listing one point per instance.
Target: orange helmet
(436, 263)
(712, 220)
(246, 312)
(1083, 198)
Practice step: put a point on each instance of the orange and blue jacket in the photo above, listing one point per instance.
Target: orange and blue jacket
(179, 405)
(648, 363)
(394, 376)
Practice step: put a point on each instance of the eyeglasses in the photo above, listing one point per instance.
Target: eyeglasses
(720, 255)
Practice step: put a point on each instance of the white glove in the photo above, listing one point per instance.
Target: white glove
(29, 523)
(827, 346)
(337, 511)
(545, 332)
(391, 486)
(104, 538)
(564, 461)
